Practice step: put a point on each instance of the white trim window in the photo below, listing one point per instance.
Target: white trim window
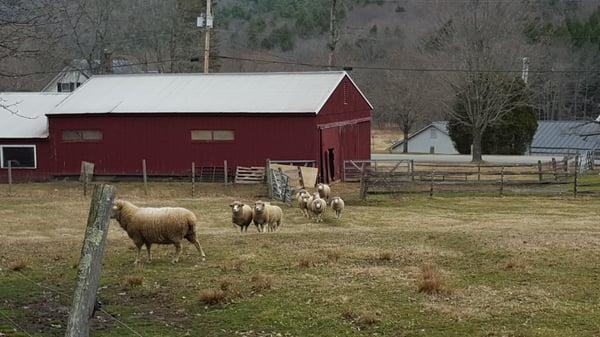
(21, 156)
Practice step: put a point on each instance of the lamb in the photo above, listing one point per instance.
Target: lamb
(267, 215)
(324, 191)
(337, 204)
(165, 225)
(317, 208)
(241, 215)
(303, 203)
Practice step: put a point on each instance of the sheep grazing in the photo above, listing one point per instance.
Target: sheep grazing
(300, 193)
(337, 204)
(267, 215)
(324, 191)
(241, 215)
(317, 208)
(166, 225)
(303, 203)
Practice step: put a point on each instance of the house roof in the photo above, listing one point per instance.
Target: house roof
(23, 114)
(442, 126)
(554, 135)
(302, 92)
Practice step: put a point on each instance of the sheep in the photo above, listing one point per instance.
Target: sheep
(241, 215)
(337, 204)
(267, 215)
(165, 225)
(303, 203)
(324, 191)
(298, 194)
(317, 208)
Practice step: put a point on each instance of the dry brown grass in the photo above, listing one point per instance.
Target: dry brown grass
(237, 265)
(430, 281)
(261, 282)
(19, 264)
(514, 263)
(133, 280)
(309, 261)
(213, 296)
(360, 318)
(385, 256)
(333, 255)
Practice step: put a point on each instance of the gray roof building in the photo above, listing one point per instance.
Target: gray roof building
(565, 137)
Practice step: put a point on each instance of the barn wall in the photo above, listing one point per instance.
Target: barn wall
(43, 170)
(164, 141)
(345, 124)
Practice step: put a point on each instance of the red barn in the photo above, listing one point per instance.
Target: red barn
(24, 134)
(172, 120)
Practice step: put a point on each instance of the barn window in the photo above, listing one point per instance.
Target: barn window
(81, 135)
(20, 156)
(213, 135)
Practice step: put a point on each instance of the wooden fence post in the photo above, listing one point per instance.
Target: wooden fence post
(431, 182)
(226, 171)
(540, 170)
(193, 178)
(145, 177)
(90, 263)
(363, 182)
(478, 171)
(412, 170)
(9, 177)
(502, 181)
(566, 164)
(301, 177)
(575, 176)
(554, 169)
(269, 178)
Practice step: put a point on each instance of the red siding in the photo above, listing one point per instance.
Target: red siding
(43, 170)
(164, 141)
(345, 123)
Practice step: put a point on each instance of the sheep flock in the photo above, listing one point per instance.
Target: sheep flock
(146, 226)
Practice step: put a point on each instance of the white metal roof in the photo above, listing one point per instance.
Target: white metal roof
(23, 114)
(303, 92)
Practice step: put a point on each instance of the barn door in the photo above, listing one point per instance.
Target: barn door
(331, 164)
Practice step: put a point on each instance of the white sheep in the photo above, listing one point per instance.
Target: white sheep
(165, 225)
(241, 215)
(324, 191)
(303, 204)
(267, 215)
(317, 208)
(337, 204)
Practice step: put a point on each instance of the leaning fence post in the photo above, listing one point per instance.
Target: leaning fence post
(301, 177)
(540, 170)
(9, 177)
(193, 178)
(145, 177)
(226, 171)
(269, 179)
(554, 169)
(502, 181)
(90, 263)
(575, 176)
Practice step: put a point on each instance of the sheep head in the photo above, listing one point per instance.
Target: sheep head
(320, 187)
(259, 206)
(116, 212)
(236, 207)
(305, 197)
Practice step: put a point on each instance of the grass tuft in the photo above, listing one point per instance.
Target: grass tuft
(360, 318)
(237, 265)
(133, 280)
(514, 264)
(385, 256)
(213, 296)
(309, 261)
(431, 281)
(261, 282)
(333, 255)
(19, 264)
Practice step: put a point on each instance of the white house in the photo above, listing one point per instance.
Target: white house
(433, 138)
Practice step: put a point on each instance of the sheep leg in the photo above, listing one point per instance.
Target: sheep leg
(177, 252)
(148, 246)
(138, 246)
(199, 248)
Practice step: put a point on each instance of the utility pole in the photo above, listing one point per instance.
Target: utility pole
(334, 33)
(525, 73)
(209, 25)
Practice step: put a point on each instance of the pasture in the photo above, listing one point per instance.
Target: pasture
(460, 265)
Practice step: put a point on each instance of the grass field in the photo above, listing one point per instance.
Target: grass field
(405, 266)
(383, 138)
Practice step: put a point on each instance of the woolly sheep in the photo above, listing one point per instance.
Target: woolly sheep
(267, 215)
(165, 225)
(303, 203)
(241, 215)
(324, 191)
(337, 204)
(317, 208)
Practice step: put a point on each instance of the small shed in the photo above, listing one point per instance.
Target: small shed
(172, 120)
(24, 134)
(433, 138)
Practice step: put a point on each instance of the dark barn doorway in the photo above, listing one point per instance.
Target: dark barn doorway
(331, 163)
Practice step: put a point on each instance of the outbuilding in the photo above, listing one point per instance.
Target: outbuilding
(172, 120)
(24, 141)
(433, 138)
